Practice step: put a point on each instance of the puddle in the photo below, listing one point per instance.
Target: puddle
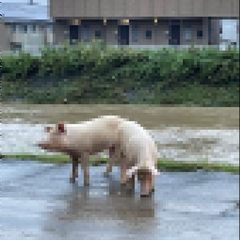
(40, 203)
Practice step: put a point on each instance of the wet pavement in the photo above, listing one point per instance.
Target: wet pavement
(38, 202)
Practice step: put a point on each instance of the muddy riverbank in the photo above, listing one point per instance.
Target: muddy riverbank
(181, 133)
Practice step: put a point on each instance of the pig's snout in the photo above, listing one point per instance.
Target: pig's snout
(146, 189)
(41, 144)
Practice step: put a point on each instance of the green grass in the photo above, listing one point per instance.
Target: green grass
(163, 164)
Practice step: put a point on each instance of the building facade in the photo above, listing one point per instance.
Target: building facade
(4, 37)
(141, 22)
(28, 26)
(237, 30)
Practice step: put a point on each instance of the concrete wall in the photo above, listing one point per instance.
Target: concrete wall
(143, 8)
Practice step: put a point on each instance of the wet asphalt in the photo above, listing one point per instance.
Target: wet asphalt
(38, 202)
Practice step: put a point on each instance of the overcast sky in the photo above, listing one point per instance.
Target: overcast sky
(44, 2)
(229, 26)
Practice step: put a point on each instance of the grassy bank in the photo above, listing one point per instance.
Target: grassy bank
(163, 164)
(100, 74)
(74, 93)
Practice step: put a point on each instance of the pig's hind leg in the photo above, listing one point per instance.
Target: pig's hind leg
(112, 158)
(85, 168)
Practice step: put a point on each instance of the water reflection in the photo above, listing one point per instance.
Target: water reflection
(38, 203)
(106, 208)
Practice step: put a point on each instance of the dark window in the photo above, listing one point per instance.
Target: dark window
(13, 28)
(221, 30)
(98, 34)
(134, 33)
(34, 28)
(25, 28)
(199, 33)
(148, 34)
(15, 46)
(86, 33)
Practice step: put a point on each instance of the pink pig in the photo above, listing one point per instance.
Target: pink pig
(138, 153)
(82, 140)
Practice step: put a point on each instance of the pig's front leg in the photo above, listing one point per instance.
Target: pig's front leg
(85, 168)
(152, 184)
(131, 183)
(74, 169)
(112, 157)
(123, 169)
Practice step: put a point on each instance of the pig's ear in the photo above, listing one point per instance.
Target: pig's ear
(61, 127)
(48, 129)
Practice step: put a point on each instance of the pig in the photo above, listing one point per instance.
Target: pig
(138, 153)
(83, 139)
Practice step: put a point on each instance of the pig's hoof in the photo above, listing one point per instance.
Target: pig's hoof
(145, 195)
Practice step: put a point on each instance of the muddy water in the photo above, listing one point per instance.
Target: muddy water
(182, 133)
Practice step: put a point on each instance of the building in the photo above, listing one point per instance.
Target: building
(141, 22)
(28, 25)
(237, 30)
(4, 37)
(229, 36)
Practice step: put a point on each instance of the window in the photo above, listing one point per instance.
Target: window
(221, 30)
(188, 33)
(13, 28)
(199, 33)
(19, 28)
(50, 29)
(134, 33)
(98, 34)
(86, 36)
(15, 46)
(32, 28)
(25, 28)
(148, 34)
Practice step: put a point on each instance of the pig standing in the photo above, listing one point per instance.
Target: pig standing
(138, 153)
(83, 139)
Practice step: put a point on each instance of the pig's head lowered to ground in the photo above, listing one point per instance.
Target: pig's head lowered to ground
(145, 177)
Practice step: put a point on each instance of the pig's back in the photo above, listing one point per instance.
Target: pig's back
(95, 135)
(137, 143)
